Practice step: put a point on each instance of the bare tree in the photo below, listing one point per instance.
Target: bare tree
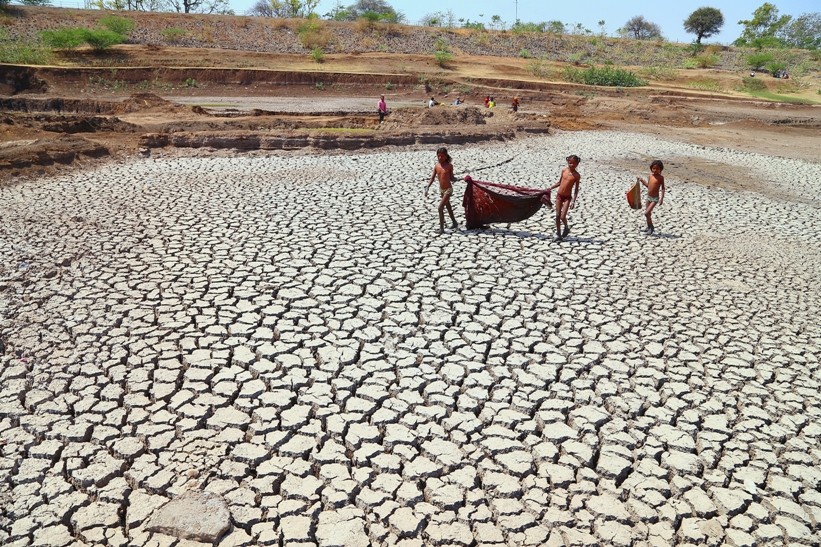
(641, 29)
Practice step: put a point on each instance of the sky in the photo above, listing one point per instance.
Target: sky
(669, 16)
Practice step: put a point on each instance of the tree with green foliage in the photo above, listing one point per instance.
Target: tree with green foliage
(284, 9)
(640, 28)
(803, 32)
(704, 22)
(3, 4)
(763, 28)
(368, 8)
(36, 2)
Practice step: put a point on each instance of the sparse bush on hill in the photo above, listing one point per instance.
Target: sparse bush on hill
(443, 57)
(705, 60)
(318, 55)
(103, 39)
(540, 68)
(313, 35)
(120, 25)
(172, 35)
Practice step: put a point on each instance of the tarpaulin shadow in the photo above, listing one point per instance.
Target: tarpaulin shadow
(525, 234)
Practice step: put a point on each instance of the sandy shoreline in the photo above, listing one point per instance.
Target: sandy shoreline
(288, 333)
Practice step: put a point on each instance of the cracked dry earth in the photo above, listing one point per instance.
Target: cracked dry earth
(287, 336)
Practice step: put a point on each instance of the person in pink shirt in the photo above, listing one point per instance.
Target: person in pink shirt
(382, 108)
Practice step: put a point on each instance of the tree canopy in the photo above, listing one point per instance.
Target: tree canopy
(641, 29)
(704, 22)
(370, 9)
(803, 32)
(763, 27)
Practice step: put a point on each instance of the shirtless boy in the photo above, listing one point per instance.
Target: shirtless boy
(655, 192)
(568, 186)
(444, 171)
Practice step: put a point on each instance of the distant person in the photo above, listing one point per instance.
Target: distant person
(514, 104)
(458, 101)
(752, 74)
(568, 186)
(487, 101)
(432, 102)
(491, 103)
(382, 108)
(655, 192)
(444, 170)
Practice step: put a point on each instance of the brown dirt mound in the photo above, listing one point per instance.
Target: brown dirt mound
(139, 102)
(64, 150)
(440, 115)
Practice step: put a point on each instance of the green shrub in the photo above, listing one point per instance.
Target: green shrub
(443, 57)
(120, 25)
(64, 38)
(775, 66)
(604, 76)
(524, 54)
(706, 60)
(172, 35)
(191, 82)
(759, 59)
(540, 68)
(101, 40)
(313, 34)
(388, 86)
(318, 55)
(442, 52)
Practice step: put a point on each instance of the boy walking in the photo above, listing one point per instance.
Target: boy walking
(655, 192)
(568, 186)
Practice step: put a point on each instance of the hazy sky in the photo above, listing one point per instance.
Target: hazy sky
(669, 16)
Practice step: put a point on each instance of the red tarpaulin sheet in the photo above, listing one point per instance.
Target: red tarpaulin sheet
(488, 202)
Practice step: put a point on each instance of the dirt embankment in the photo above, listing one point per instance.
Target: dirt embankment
(58, 115)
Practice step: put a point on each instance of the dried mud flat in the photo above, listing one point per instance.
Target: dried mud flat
(226, 317)
(274, 348)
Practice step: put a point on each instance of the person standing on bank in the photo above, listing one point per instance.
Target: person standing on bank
(382, 108)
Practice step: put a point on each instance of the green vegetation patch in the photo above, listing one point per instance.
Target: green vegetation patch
(16, 52)
(603, 76)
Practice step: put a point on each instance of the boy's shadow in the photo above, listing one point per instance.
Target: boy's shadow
(663, 235)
